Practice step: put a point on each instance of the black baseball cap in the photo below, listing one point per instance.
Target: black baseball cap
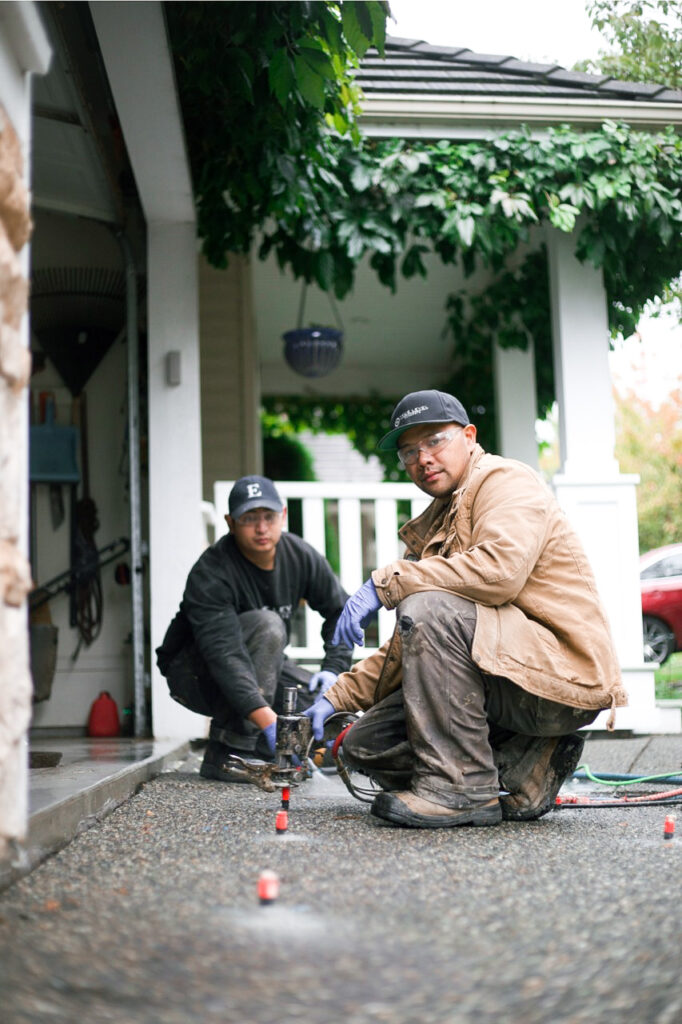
(253, 492)
(422, 407)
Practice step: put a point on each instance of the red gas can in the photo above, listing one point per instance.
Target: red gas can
(103, 719)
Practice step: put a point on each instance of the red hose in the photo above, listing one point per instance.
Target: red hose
(339, 739)
(586, 801)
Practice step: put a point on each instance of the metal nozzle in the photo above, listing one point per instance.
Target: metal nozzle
(289, 700)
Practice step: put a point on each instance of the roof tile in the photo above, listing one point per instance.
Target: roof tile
(439, 51)
(523, 67)
(414, 66)
(642, 89)
(577, 77)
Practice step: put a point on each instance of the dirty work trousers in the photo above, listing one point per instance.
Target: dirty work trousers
(441, 733)
(265, 638)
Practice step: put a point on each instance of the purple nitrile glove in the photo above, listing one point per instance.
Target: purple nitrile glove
(357, 611)
(269, 734)
(323, 680)
(318, 713)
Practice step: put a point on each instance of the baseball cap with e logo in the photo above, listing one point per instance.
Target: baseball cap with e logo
(253, 492)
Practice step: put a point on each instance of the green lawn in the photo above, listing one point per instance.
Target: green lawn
(669, 679)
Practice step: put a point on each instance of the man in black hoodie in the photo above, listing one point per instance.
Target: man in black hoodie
(223, 653)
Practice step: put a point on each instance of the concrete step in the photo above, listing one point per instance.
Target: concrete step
(75, 782)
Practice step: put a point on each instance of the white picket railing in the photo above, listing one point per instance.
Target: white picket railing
(364, 518)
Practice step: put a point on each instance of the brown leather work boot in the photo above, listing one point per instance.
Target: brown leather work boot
(414, 812)
(534, 781)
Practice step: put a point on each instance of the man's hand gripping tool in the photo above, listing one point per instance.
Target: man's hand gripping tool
(294, 739)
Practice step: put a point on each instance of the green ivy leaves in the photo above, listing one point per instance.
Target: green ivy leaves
(261, 86)
(561, 215)
(362, 23)
(281, 75)
(617, 189)
(274, 145)
(270, 110)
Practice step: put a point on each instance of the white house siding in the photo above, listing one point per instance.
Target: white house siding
(229, 380)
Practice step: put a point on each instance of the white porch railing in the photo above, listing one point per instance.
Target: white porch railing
(362, 519)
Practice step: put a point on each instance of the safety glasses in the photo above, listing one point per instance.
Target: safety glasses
(253, 518)
(431, 445)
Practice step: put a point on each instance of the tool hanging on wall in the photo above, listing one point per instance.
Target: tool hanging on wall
(47, 416)
(64, 582)
(86, 595)
(53, 461)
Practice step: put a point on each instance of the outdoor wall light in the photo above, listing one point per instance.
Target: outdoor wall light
(173, 369)
(316, 350)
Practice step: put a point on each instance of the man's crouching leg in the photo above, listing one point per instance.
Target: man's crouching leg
(454, 781)
(264, 636)
(536, 744)
(377, 744)
(533, 770)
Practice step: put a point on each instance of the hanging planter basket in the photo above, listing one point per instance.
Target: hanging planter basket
(313, 351)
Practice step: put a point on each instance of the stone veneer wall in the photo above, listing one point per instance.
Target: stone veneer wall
(15, 576)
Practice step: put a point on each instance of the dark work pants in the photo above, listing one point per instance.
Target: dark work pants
(439, 733)
(265, 638)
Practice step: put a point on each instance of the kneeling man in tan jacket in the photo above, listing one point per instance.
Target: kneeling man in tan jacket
(501, 651)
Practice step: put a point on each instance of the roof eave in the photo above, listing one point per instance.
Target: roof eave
(139, 66)
(417, 116)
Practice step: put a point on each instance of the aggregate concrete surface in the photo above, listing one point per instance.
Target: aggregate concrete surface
(152, 915)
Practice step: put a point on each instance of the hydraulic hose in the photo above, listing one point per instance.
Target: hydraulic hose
(671, 796)
(614, 779)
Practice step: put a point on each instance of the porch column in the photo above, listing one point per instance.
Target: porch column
(175, 536)
(516, 403)
(600, 502)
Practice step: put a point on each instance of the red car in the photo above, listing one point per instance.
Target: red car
(660, 574)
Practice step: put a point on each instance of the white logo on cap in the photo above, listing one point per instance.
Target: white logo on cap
(411, 412)
(253, 490)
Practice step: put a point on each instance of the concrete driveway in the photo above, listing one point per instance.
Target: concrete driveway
(153, 916)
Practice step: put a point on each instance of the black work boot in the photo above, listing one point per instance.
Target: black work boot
(533, 770)
(215, 763)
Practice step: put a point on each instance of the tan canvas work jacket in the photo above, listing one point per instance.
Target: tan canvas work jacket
(501, 541)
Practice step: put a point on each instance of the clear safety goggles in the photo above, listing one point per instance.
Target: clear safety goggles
(431, 445)
(253, 518)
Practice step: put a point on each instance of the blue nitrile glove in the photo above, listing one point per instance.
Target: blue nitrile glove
(323, 680)
(318, 713)
(269, 734)
(357, 612)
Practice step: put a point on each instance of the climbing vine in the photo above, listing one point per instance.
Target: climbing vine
(262, 86)
(277, 159)
(475, 203)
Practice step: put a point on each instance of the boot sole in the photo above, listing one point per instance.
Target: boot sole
(389, 809)
(210, 771)
(569, 757)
